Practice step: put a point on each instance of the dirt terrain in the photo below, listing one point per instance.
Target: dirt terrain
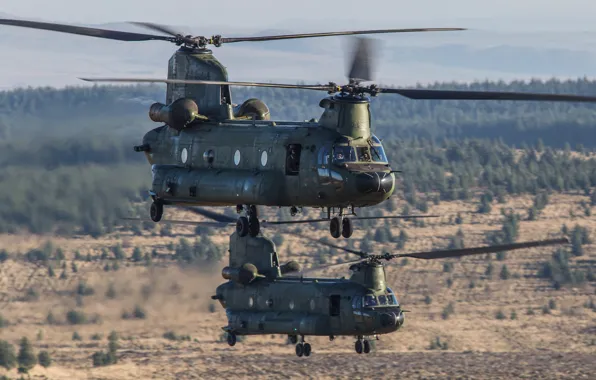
(476, 344)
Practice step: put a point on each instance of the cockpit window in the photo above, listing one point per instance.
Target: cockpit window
(343, 154)
(363, 154)
(378, 153)
(370, 301)
(382, 300)
(391, 300)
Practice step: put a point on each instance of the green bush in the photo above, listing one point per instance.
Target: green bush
(8, 358)
(75, 317)
(44, 359)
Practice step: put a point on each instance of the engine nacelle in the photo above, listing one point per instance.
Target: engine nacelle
(252, 109)
(177, 115)
(244, 275)
(290, 267)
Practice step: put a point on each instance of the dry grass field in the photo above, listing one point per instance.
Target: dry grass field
(561, 344)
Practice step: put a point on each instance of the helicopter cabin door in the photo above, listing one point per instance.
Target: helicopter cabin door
(335, 312)
(293, 170)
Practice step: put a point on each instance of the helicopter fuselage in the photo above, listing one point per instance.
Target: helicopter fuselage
(309, 306)
(230, 163)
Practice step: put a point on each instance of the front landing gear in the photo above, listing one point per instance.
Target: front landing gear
(231, 339)
(340, 226)
(362, 345)
(156, 210)
(303, 349)
(248, 225)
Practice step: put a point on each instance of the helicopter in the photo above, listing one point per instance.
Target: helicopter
(263, 297)
(209, 152)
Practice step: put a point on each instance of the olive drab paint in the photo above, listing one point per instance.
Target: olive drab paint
(232, 162)
(272, 303)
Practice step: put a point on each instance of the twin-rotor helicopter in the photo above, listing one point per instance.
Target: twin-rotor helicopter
(210, 152)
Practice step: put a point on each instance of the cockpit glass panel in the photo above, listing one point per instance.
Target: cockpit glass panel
(375, 140)
(378, 153)
(357, 303)
(343, 154)
(382, 300)
(363, 154)
(370, 301)
(391, 300)
(323, 158)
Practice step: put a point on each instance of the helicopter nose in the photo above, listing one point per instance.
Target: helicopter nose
(374, 182)
(388, 319)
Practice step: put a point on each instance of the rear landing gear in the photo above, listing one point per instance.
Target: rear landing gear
(248, 225)
(156, 211)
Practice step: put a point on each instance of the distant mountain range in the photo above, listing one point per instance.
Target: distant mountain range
(40, 58)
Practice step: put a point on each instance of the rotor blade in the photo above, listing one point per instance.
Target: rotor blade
(211, 82)
(361, 69)
(187, 222)
(394, 217)
(85, 31)
(430, 255)
(221, 218)
(156, 27)
(329, 34)
(484, 95)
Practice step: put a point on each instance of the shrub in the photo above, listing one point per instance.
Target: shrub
(8, 358)
(448, 310)
(96, 336)
(26, 357)
(75, 317)
(44, 359)
(513, 315)
(500, 315)
(76, 336)
(138, 313)
(552, 304)
(504, 275)
(428, 300)
(84, 290)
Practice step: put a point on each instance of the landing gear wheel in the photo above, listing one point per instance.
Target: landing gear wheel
(231, 339)
(346, 228)
(293, 339)
(307, 349)
(293, 211)
(156, 211)
(334, 227)
(358, 346)
(254, 226)
(242, 226)
(366, 346)
(299, 350)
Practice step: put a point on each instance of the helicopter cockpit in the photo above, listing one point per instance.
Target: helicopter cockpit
(381, 300)
(373, 152)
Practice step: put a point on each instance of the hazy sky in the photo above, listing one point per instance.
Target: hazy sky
(274, 13)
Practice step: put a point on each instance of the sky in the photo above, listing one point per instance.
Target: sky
(508, 39)
(267, 13)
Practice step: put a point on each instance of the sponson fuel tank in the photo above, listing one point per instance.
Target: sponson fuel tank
(218, 187)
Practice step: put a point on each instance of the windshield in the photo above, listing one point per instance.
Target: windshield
(391, 300)
(370, 301)
(343, 154)
(378, 153)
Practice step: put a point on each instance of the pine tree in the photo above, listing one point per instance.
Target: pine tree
(26, 357)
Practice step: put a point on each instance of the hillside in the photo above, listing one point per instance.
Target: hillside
(176, 298)
(69, 265)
